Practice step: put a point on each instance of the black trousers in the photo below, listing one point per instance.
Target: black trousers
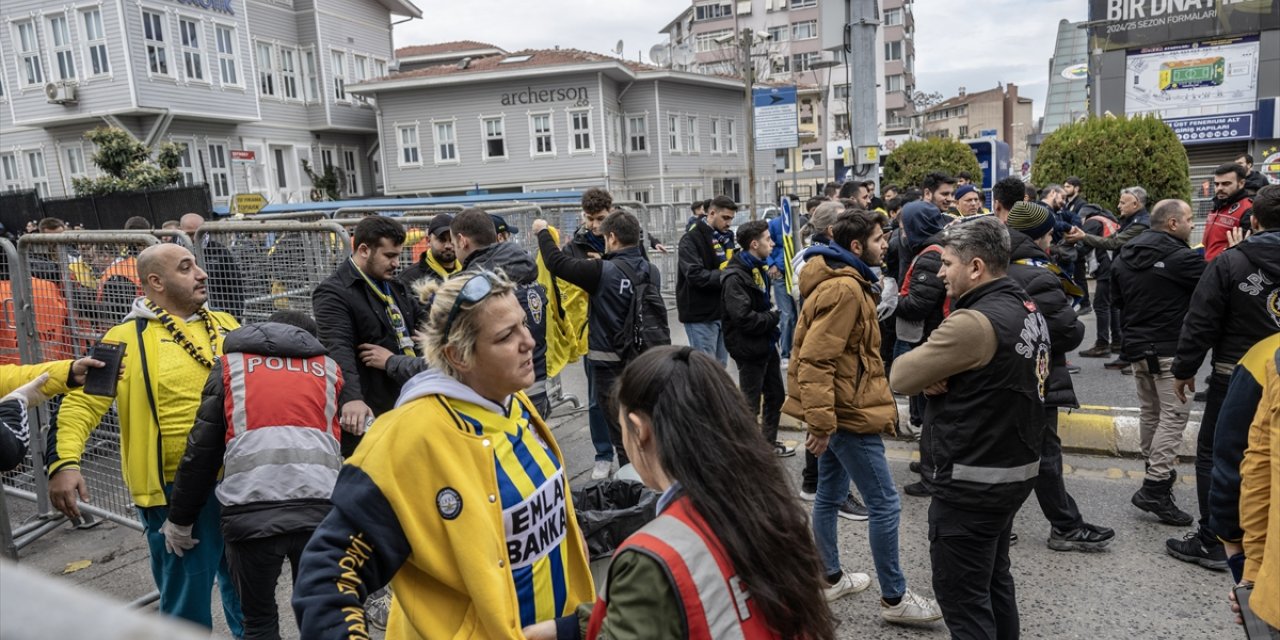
(1058, 506)
(1081, 277)
(759, 377)
(255, 569)
(1214, 397)
(1108, 317)
(971, 578)
(603, 377)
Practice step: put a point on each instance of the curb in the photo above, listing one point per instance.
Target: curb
(1110, 431)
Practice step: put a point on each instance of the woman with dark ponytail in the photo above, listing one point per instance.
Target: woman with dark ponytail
(730, 553)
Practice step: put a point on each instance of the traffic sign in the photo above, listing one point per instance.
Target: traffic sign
(243, 156)
(775, 118)
(249, 202)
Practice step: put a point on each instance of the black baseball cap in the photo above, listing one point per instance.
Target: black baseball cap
(501, 225)
(439, 224)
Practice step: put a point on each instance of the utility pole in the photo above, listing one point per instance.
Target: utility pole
(862, 20)
(745, 38)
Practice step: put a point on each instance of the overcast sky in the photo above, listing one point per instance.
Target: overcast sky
(992, 41)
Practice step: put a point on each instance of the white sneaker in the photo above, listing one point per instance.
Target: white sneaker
(601, 470)
(913, 609)
(783, 450)
(849, 583)
(808, 496)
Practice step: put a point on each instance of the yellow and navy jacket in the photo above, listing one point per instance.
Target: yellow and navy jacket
(143, 462)
(463, 507)
(1231, 437)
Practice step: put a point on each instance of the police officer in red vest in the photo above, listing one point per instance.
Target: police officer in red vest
(269, 419)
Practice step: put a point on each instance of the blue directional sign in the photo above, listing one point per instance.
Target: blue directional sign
(776, 118)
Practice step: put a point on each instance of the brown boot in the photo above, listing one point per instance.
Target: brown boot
(1099, 350)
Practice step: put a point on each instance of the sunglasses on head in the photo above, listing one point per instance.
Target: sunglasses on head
(477, 288)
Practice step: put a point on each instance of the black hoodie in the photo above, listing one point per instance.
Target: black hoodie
(1236, 304)
(1152, 279)
(1066, 331)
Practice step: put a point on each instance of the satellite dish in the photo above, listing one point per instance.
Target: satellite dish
(682, 54)
(618, 49)
(808, 164)
(660, 54)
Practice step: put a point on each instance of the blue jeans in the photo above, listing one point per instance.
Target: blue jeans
(186, 583)
(860, 457)
(707, 338)
(595, 419)
(787, 315)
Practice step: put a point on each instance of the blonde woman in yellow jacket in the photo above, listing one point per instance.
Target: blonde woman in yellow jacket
(1260, 500)
(457, 497)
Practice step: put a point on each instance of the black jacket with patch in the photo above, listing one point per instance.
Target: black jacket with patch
(1152, 279)
(1066, 331)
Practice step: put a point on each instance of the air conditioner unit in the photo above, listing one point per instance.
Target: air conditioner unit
(60, 93)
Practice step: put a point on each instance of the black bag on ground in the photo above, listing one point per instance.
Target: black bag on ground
(611, 510)
(646, 323)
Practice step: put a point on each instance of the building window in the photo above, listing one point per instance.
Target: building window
(541, 134)
(730, 136)
(691, 134)
(840, 92)
(495, 138)
(282, 173)
(352, 170)
(638, 134)
(185, 166)
(409, 146)
(641, 195)
(9, 172)
(95, 42)
(361, 68)
(893, 82)
(266, 69)
(615, 140)
(446, 143)
(804, 61)
(29, 53)
(803, 4)
(713, 11)
(192, 60)
(35, 169)
(226, 41)
(963, 132)
(219, 176)
(673, 133)
(715, 135)
(339, 76)
(379, 68)
(841, 121)
(75, 161)
(779, 34)
(893, 17)
(781, 160)
(60, 38)
(157, 50)
(580, 129)
(811, 154)
(893, 50)
(806, 30)
(310, 82)
(289, 73)
(711, 40)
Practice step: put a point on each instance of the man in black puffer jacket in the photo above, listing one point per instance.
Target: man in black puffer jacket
(1030, 234)
(751, 328)
(1152, 279)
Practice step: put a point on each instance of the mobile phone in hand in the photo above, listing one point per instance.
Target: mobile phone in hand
(1255, 628)
(102, 381)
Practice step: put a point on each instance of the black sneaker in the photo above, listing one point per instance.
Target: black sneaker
(1191, 548)
(852, 509)
(916, 489)
(1200, 396)
(1084, 310)
(1118, 363)
(1087, 537)
(914, 466)
(1013, 539)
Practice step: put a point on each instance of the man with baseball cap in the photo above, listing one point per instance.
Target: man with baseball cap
(437, 260)
(505, 231)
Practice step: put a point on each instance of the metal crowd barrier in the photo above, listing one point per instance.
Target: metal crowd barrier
(394, 211)
(300, 216)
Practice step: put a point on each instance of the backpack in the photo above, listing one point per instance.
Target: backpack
(1092, 212)
(645, 324)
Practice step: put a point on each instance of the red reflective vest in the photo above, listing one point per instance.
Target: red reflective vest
(1109, 227)
(716, 604)
(1220, 223)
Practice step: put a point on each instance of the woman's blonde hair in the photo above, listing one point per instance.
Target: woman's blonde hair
(439, 297)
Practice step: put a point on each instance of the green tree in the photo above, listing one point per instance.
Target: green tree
(326, 186)
(1109, 154)
(913, 160)
(126, 164)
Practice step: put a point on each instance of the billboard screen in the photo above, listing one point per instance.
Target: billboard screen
(1123, 24)
(1199, 79)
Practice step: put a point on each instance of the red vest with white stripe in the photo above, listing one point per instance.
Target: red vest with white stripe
(282, 428)
(716, 604)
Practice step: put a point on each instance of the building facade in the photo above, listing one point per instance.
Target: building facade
(213, 76)
(998, 113)
(791, 45)
(560, 119)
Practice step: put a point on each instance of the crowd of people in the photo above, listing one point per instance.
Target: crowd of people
(393, 444)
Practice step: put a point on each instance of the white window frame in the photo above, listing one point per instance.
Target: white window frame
(724, 9)
(804, 61)
(188, 170)
(615, 133)
(811, 154)
(889, 47)
(889, 82)
(219, 169)
(29, 60)
(631, 135)
(675, 139)
(810, 26)
(693, 144)
(403, 147)
(227, 59)
(351, 170)
(709, 41)
(574, 132)
(72, 153)
(310, 75)
(193, 53)
(780, 33)
(379, 67)
(338, 64)
(360, 67)
(267, 85)
(803, 4)
(289, 75)
(534, 134)
(62, 56)
(893, 17)
(643, 196)
(438, 142)
(38, 180)
(161, 46)
(486, 136)
(716, 147)
(94, 49)
(10, 172)
(730, 135)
